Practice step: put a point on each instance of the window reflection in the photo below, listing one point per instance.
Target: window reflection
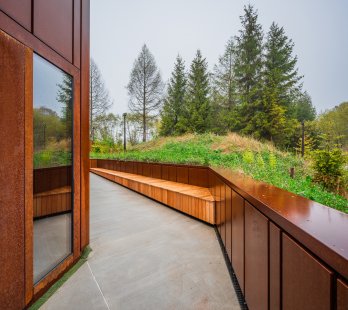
(53, 120)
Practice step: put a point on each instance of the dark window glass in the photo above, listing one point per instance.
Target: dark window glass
(53, 120)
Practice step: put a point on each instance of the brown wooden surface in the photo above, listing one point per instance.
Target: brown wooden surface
(306, 282)
(238, 237)
(256, 258)
(274, 267)
(190, 199)
(53, 24)
(12, 174)
(63, 39)
(19, 10)
(342, 295)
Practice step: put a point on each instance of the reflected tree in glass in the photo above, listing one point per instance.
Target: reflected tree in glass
(53, 190)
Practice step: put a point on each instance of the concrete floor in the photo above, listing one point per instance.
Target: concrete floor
(146, 256)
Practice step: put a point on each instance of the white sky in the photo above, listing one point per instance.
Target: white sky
(319, 29)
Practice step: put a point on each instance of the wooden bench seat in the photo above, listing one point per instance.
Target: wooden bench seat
(190, 199)
(52, 202)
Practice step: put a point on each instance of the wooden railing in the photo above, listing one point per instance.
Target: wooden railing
(287, 252)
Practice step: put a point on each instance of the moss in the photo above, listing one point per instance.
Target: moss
(62, 280)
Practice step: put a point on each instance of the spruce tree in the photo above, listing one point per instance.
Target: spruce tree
(198, 115)
(248, 67)
(280, 73)
(174, 104)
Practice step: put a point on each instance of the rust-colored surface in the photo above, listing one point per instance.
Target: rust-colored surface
(256, 258)
(84, 123)
(274, 267)
(63, 39)
(77, 34)
(306, 282)
(19, 10)
(342, 295)
(46, 179)
(238, 237)
(319, 228)
(53, 24)
(223, 213)
(28, 228)
(199, 176)
(228, 221)
(182, 175)
(12, 174)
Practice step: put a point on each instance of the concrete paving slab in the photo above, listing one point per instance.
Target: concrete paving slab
(146, 256)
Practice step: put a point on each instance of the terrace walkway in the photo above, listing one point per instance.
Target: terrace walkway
(146, 256)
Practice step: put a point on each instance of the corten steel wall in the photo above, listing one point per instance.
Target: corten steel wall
(57, 30)
(287, 252)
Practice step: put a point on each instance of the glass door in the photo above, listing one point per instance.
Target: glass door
(53, 169)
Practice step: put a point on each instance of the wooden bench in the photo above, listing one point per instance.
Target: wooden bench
(190, 199)
(52, 202)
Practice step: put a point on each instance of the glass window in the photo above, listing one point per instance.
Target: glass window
(53, 176)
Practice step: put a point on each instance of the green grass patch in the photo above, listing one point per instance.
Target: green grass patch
(261, 161)
(62, 280)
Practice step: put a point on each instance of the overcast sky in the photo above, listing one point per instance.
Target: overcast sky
(319, 29)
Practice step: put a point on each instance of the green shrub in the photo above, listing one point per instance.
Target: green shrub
(248, 157)
(328, 165)
(272, 160)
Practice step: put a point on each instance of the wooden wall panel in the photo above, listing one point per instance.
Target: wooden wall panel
(12, 174)
(256, 258)
(306, 282)
(53, 24)
(228, 221)
(19, 10)
(342, 295)
(274, 267)
(238, 237)
(46, 179)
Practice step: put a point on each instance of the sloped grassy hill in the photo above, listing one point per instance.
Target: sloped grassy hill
(262, 161)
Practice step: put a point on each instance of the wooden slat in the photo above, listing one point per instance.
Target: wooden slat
(190, 199)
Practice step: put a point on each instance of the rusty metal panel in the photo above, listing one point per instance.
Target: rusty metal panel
(12, 173)
(223, 213)
(274, 267)
(198, 176)
(306, 282)
(182, 175)
(156, 171)
(342, 295)
(238, 237)
(256, 258)
(53, 24)
(228, 222)
(19, 10)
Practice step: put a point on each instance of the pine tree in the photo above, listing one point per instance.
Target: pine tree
(303, 107)
(224, 93)
(174, 104)
(248, 67)
(198, 102)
